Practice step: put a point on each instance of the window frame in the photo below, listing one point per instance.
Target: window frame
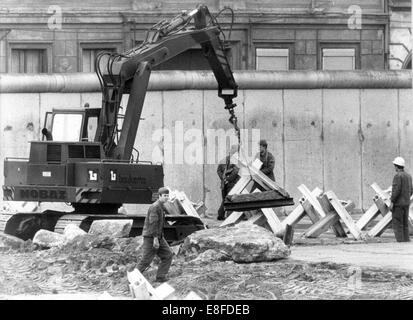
(290, 45)
(339, 45)
(96, 45)
(30, 45)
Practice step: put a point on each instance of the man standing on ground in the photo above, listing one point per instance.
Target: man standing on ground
(153, 239)
(267, 159)
(228, 173)
(400, 201)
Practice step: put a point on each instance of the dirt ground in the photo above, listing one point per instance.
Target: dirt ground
(101, 270)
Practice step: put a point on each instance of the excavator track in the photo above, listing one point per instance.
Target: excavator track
(177, 228)
(67, 219)
(25, 225)
(4, 217)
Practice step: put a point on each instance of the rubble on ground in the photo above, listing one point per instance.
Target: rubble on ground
(71, 231)
(48, 239)
(112, 228)
(10, 242)
(243, 242)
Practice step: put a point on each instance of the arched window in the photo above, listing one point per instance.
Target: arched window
(407, 64)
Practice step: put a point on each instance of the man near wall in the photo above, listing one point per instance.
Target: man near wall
(153, 239)
(400, 201)
(267, 159)
(228, 173)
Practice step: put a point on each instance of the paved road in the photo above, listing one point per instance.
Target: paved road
(391, 256)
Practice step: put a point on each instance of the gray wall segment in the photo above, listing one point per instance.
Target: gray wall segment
(216, 125)
(341, 143)
(93, 98)
(303, 145)
(19, 123)
(148, 140)
(320, 154)
(379, 123)
(150, 128)
(264, 111)
(406, 127)
(183, 110)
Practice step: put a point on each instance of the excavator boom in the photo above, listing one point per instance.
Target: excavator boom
(93, 169)
(130, 72)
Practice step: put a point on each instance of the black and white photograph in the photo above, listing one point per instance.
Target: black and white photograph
(205, 156)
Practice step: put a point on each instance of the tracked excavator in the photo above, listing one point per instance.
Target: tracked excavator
(86, 159)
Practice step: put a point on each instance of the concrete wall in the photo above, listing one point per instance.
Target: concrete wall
(337, 139)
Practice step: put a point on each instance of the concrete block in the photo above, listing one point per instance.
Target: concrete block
(183, 162)
(264, 111)
(311, 47)
(19, 123)
(17, 131)
(8, 241)
(303, 144)
(59, 101)
(111, 228)
(148, 137)
(300, 47)
(305, 34)
(379, 132)
(48, 239)
(406, 126)
(341, 113)
(305, 62)
(93, 98)
(372, 62)
(71, 231)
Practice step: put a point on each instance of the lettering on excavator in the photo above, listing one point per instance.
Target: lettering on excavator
(33, 194)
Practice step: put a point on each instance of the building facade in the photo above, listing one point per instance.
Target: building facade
(59, 37)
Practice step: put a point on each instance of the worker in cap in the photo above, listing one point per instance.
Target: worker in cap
(153, 237)
(267, 159)
(400, 201)
(228, 173)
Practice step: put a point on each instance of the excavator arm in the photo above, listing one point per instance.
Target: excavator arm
(130, 72)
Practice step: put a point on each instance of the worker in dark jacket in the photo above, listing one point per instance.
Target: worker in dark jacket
(267, 159)
(153, 238)
(228, 173)
(400, 201)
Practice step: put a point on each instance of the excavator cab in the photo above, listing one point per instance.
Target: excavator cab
(71, 124)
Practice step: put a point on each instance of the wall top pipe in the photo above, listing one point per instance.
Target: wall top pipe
(204, 80)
